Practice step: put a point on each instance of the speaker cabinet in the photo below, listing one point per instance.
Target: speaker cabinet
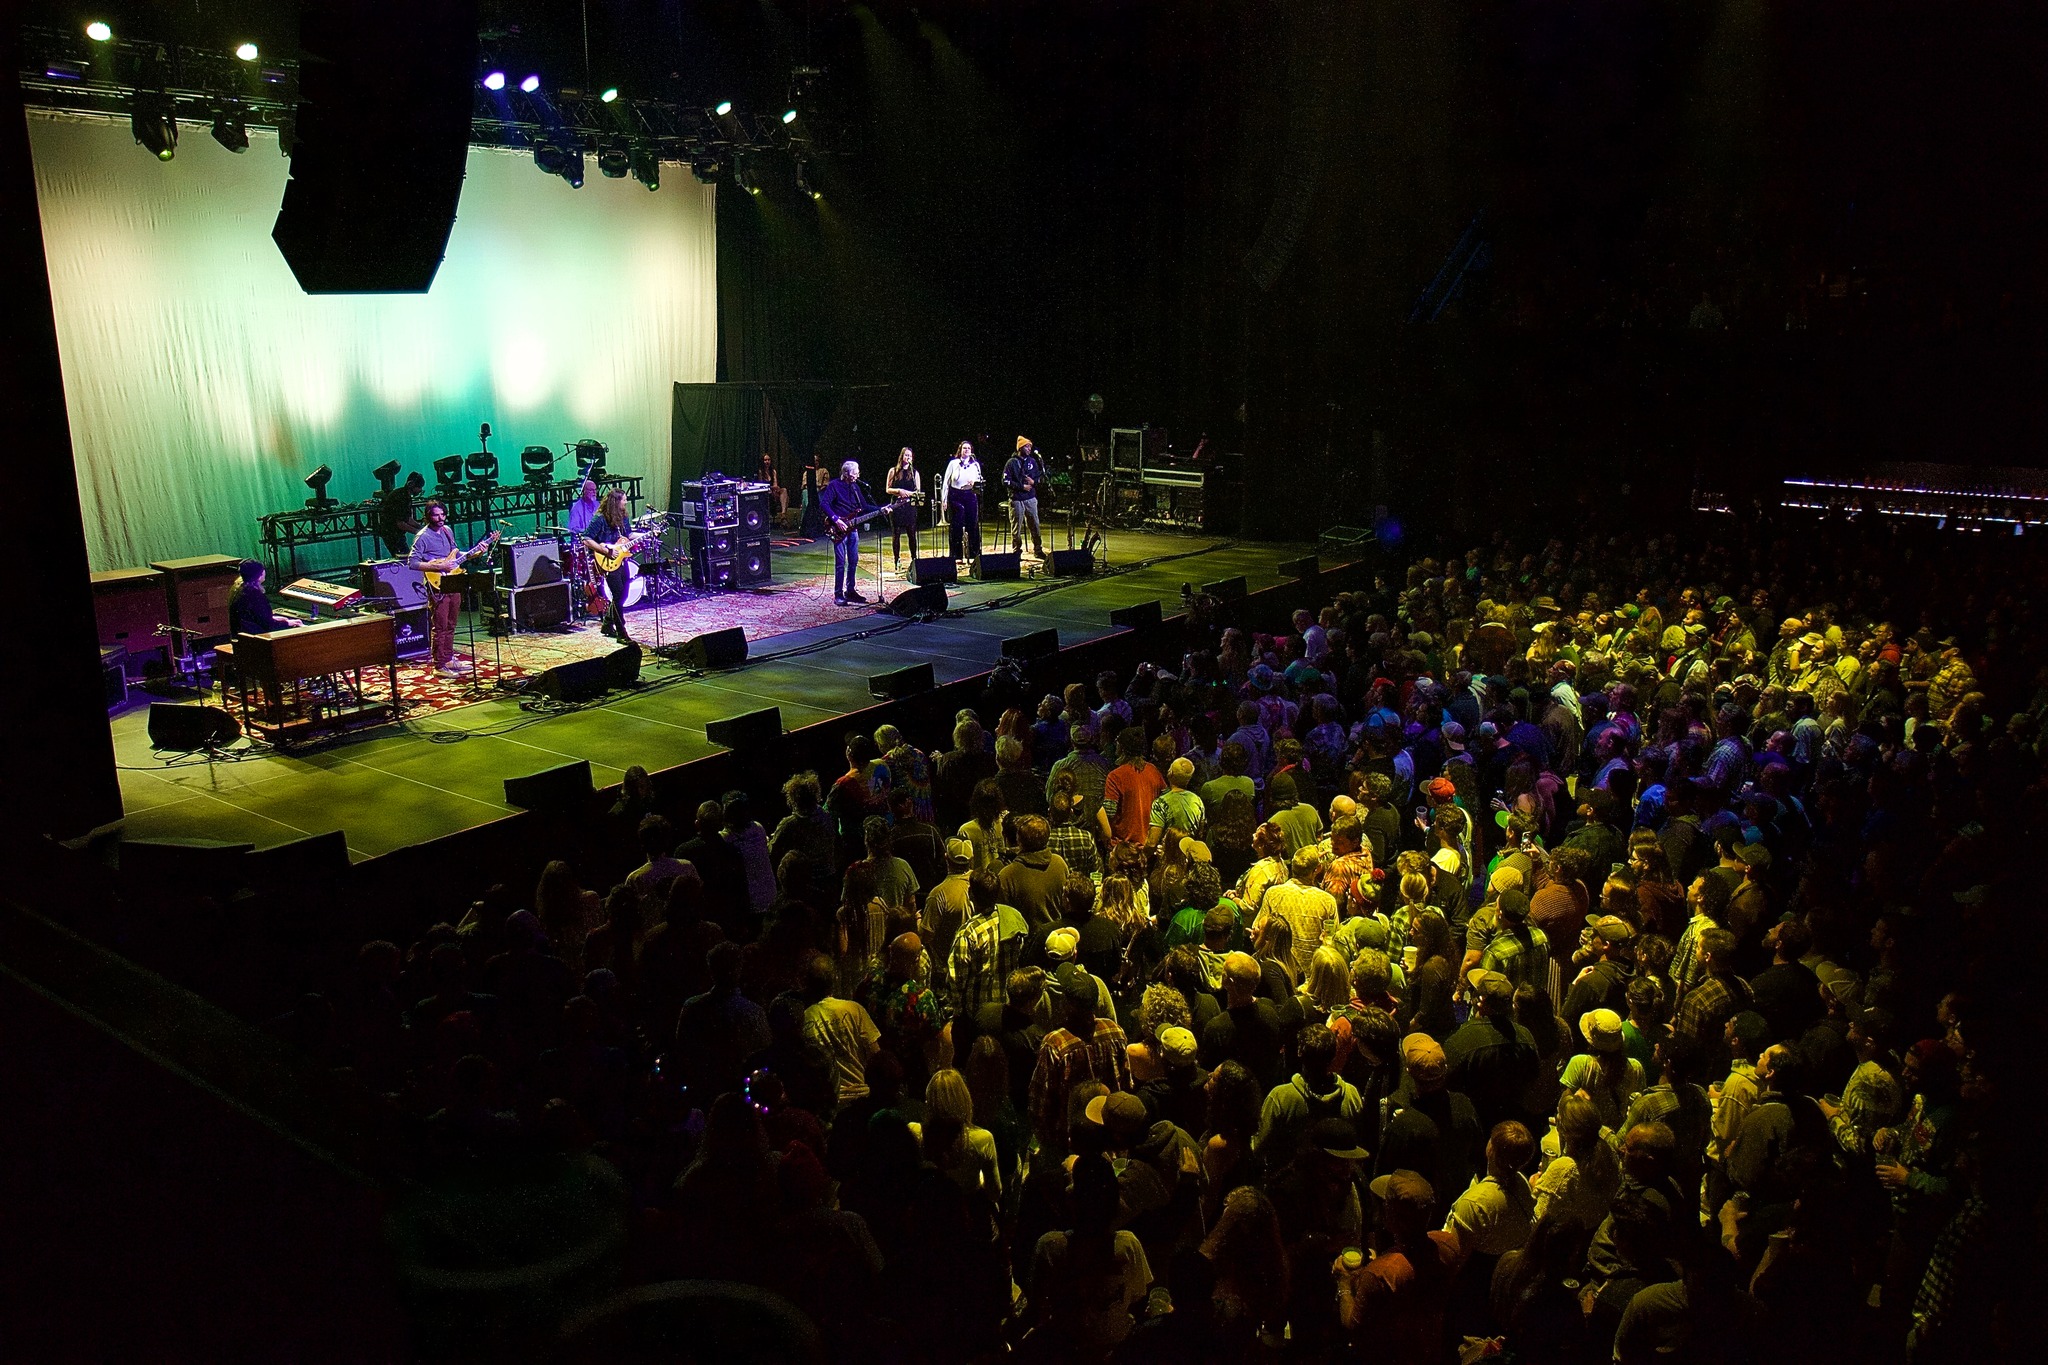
(561, 789)
(530, 563)
(752, 730)
(396, 585)
(381, 142)
(197, 592)
(322, 857)
(1072, 563)
(1308, 566)
(411, 633)
(903, 682)
(577, 680)
(541, 608)
(622, 667)
(719, 543)
(128, 606)
(1036, 645)
(713, 571)
(187, 727)
(114, 676)
(756, 514)
(929, 600)
(1001, 568)
(715, 649)
(934, 569)
(1136, 616)
(754, 563)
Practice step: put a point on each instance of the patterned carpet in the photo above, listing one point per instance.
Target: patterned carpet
(773, 609)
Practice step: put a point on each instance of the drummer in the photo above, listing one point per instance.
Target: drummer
(583, 509)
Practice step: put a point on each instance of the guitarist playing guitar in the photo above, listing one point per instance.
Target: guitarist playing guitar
(609, 538)
(434, 553)
(846, 505)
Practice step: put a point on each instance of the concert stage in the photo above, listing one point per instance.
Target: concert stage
(442, 771)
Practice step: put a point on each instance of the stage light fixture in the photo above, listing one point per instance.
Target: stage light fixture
(614, 161)
(556, 159)
(646, 167)
(386, 475)
(230, 132)
(611, 93)
(494, 81)
(724, 108)
(803, 179)
(481, 469)
(317, 481)
(448, 473)
(152, 120)
(789, 116)
(706, 168)
(531, 83)
(537, 464)
(247, 52)
(99, 32)
(744, 178)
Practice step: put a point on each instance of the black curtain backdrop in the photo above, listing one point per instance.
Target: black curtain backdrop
(726, 427)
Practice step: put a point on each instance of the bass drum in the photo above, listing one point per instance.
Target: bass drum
(636, 586)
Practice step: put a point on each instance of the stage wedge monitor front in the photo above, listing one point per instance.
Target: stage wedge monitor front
(1037, 645)
(1136, 616)
(553, 789)
(716, 649)
(380, 143)
(998, 568)
(902, 682)
(752, 730)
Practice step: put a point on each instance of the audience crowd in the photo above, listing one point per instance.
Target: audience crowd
(1568, 952)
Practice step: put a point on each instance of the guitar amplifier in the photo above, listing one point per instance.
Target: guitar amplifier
(751, 564)
(395, 580)
(721, 543)
(538, 608)
(756, 509)
(129, 605)
(530, 562)
(713, 571)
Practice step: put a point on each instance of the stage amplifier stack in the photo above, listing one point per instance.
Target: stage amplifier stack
(728, 525)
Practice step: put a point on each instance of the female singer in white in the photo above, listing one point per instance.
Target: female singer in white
(902, 485)
(962, 490)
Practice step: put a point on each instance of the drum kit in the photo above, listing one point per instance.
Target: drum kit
(652, 574)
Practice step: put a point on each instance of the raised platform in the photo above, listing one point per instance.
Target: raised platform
(435, 775)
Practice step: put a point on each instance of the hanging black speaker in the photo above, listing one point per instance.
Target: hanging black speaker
(380, 141)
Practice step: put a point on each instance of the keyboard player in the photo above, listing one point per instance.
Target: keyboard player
(249, 611)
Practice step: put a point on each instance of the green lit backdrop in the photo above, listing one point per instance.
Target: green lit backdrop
(202, 386)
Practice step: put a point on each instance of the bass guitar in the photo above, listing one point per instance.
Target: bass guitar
(840, 530)
(434, 569)
(608, 557)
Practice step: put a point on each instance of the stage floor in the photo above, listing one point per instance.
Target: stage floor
(405, 784)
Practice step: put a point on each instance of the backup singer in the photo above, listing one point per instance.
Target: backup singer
(1023, 476)
(903, 484)
(963, 501)
(434, 545)
(607, 529)
(842, 502)
(778, 496)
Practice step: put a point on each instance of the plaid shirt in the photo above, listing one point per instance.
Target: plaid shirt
(1348, 878)
(981, 962)
(1523, 957)
(1065, 1059)
(1708, 1006)
(1075, 847)
(1937, 1296)
(1685, 966)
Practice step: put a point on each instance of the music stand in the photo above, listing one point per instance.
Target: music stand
(464, 583)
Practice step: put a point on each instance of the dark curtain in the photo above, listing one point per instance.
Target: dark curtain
(726, 427)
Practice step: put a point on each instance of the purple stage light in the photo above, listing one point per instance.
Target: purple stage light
(495, 81)
(530, 84)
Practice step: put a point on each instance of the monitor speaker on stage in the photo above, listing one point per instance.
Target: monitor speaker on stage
(715, 649)
(934, 569)
(903, 682)
(1227, 589)
(1036, 645)
(1072, 563)
(317, 857)
(381, 139)
(560, 789)
(542, 608)
(1001, 568)
(577, 680)
(718, 543)
(1308, 566)
(1137, 616)
(622, 667)
(753, 562)
(929, 600)
(751, 730)
(396, 584)
(184, 728)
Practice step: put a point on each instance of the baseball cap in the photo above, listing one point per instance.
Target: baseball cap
(1062, 943)
(1176, 1046)
(1121, 1113)
(1603, 1031)
(1613, 928)
(1453, 735)
(1195, 851)
(1755, 855)
(1423, 1057)
(1404, 1187)
(1441, 788)
(959, 853)
(1181, 770)
(1489, 983)
(1076, 985)
(1513, 906)
(1337, 1138)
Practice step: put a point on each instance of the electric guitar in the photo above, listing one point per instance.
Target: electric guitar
(608, 557)
(434, 569)
(840, 530)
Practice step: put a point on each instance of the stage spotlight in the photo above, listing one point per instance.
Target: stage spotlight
(530, 84)
(646, 167)
(448, 473)
(803, 179)
(706, 168)
(566, 162)
(386, 475)
(154, 124)
(494, 81)
(611, 93)
(614, 161)
(789, 116)
(317, 481)
(742, 177)
(537, 464)
(230, 132)
(724, 106)
(247, 52)
(99, 32)
(482, 469)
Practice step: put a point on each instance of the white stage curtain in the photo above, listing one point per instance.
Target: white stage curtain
(203, 386)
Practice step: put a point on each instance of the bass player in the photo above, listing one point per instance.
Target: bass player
(845, 504)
